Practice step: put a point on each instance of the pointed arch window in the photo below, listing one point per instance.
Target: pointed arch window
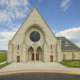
(51, 46)
(18, 47)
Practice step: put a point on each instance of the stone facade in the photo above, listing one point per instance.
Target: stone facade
(22, 49)
(71, 55)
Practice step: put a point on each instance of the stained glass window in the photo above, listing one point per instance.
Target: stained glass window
(35, 36)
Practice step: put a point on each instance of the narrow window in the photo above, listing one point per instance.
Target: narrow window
(51, 46)
(18, 47)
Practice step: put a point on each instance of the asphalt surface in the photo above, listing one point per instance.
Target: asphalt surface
(40, 76)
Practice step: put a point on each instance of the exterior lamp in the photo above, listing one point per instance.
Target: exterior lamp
(31, 49)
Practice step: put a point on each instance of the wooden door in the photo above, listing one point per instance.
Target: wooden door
(32, 56)
(51, 58)
(18, 58)
(37, 56)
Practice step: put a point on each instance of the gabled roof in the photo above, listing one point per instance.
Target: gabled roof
(70, 47)
(42, 19)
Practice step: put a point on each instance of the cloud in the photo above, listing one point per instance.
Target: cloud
(6, 36)
(15, 28)
(2, 40)
(72, 34)
(11, 9)
(3, 45)
(65, 4)
(3, 48)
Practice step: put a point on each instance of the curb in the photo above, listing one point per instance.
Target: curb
(29, 71)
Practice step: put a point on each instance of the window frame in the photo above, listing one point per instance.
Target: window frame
(18, 47)
(51, 46)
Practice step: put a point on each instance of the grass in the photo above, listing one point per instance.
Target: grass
(3, 65)
(3, 57)
(71, 63)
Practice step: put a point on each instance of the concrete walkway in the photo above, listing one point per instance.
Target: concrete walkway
(34, 66)
(38, 65)
(3, 62)
(74, 69)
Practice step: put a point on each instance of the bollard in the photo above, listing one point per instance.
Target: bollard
(75, 64)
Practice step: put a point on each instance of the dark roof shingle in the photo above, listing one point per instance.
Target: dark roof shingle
(71, 47)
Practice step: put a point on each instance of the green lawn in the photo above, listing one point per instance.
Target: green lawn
(71, 63)
(3, 57)
(3, 65)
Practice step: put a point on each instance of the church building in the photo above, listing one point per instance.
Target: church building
(35, 41)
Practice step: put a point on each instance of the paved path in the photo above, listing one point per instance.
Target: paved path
(40, 76)
(34, 65)
(3, 62)
(38, 67)
(74, 69)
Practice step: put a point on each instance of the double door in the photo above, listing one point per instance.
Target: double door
(37, 56)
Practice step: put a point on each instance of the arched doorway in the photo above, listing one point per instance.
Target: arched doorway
(31, 54)
(39, 54)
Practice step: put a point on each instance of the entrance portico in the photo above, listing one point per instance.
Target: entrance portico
(35, 54)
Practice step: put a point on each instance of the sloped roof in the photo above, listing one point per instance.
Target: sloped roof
(70, 47)
(34, 8)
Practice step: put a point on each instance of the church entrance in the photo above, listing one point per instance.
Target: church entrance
(51, 58)
(37, 56)
(18, 58)
(32, 56)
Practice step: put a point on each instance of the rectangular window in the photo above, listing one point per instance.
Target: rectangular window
(51, 46)
(18, 47)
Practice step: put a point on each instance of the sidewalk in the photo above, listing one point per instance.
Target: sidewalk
(37, 67)
(34, 66)
(3, 62)
(74, 69)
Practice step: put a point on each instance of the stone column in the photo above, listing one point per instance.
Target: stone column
(24, 52)
(35, 51)
(34, 54)
(42, 53)
(27, 54)
(45, 53)
(10, 53)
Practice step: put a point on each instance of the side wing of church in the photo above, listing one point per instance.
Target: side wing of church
(35, 41)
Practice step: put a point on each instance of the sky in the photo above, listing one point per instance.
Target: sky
(62, 16)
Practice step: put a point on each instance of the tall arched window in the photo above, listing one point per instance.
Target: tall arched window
(51, 46)
(18, 47)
